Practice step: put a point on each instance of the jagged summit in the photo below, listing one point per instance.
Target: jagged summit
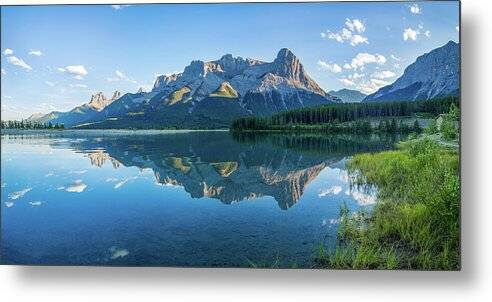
(433, 74)
(99, 101)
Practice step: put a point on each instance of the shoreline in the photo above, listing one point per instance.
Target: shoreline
(103, 131)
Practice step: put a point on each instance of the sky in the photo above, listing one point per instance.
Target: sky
(54, 58)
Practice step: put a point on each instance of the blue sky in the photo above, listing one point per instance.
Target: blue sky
(55, 57)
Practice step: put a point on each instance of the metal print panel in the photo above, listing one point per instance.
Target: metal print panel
(261, 135)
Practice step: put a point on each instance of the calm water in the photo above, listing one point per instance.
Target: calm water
(175, 199)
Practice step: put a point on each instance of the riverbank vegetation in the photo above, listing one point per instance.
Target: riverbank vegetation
(26, 125)
(416, 221)
(347, 117)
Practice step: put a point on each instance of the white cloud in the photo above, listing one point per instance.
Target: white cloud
(335, 68)
(383, 74)
(355, 24)
(427, 33)
(356, 75)
(121, 76)
(36, 53)
(35, 203)
(77, 70)
(415, 9)
(371, 85)
(351, 33)
(457, 28)
(51, 84)
(8, 52)
(18, 62)
(364, 58)
(410, 34)
(78, 85)
(78, 77)
(119, 6)
(61, 69)
(395, 58)
(379, 83)
(347, 66)
(4, 72)
(346, 82)
(358, 39)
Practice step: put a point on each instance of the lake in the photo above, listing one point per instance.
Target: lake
(164, 198)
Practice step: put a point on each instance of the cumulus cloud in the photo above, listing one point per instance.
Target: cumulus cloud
(335, 68)
(383, 74)
(371, 85)
(410, 34)
(415, 9)
(364, 58)
(352, 33)
(36, 53)
(355, 24)
(18, 62)
(51, 84)
(346, 82)
(8, 52)
(356, 75)
(427, 33)
(78, 71)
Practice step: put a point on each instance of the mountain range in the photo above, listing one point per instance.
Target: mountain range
(348, 95)
(212, 94)
(434, 74)
(206, 94)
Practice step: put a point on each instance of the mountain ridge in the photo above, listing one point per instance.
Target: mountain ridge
(433, 74)
(211, 94)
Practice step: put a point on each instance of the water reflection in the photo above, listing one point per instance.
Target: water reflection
(90, 197)
(229, 167)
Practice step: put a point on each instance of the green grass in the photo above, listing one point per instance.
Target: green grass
(416, 222)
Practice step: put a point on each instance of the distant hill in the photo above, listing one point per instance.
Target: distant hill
(348, 95)
(78, 114)
(434, 74)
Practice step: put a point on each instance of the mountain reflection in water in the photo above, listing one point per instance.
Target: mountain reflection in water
(229, 167)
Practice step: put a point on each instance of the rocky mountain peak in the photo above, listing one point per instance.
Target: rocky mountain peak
(99, 101)
(433, 74)
(116, 95)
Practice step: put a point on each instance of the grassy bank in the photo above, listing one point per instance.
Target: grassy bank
(416, 222)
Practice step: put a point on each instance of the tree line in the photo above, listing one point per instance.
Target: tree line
(29, 125)
(342, 113)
